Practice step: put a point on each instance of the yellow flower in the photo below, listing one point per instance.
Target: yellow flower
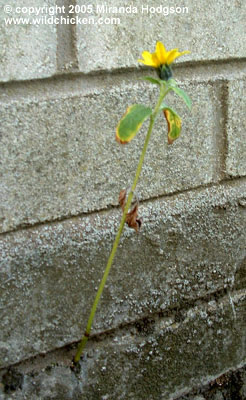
(161, 56)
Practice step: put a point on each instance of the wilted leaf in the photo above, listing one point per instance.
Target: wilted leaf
(131, 122)
(132, 219)
(174, 124)
(122, 198)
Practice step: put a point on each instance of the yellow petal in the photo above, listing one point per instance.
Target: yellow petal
(150, 59)
(161, 56)
(155, 60)
(161, 53)
(147, 59)
(173, 54)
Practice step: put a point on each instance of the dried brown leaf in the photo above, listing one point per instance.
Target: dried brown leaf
(132, 219)
(122, 198)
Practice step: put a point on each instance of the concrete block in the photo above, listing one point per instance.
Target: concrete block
(27, 51)
(164, 361)
(191, 247)
(60, 157)
(157, 359)
(236, 129)
(105, 44)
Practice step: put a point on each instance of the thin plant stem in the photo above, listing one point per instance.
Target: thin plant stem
(86, 335)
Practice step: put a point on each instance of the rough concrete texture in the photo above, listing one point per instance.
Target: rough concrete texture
(27, 51)
(159, 358)
(236, 128)
(228, 386)
(206, 30)
(171, 321)
(60, 158)
(191, 246)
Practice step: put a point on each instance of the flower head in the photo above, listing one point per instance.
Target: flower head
(161, 59)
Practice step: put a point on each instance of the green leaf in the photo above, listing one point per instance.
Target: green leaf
(152, 80)
(131, 122)
(173, 121)
(180, 92)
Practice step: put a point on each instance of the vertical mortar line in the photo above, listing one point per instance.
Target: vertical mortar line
(66, 56)
(223, 147)
(220, 136)
(74, 40)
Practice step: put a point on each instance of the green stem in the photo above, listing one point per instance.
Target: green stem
(83, 342)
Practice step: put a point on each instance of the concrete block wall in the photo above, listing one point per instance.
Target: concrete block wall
(173, 313)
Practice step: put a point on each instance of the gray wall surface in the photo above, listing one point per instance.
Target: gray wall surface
(173, 313)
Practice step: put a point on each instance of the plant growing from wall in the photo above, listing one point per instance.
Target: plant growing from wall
(126, 129)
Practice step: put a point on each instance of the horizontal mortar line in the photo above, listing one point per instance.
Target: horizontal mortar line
(175, 310)
(227, 182)
(202, 388)
(152, 318)
(224, 61)
(79, 83)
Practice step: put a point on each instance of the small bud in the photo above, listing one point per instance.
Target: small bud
(165, 72)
